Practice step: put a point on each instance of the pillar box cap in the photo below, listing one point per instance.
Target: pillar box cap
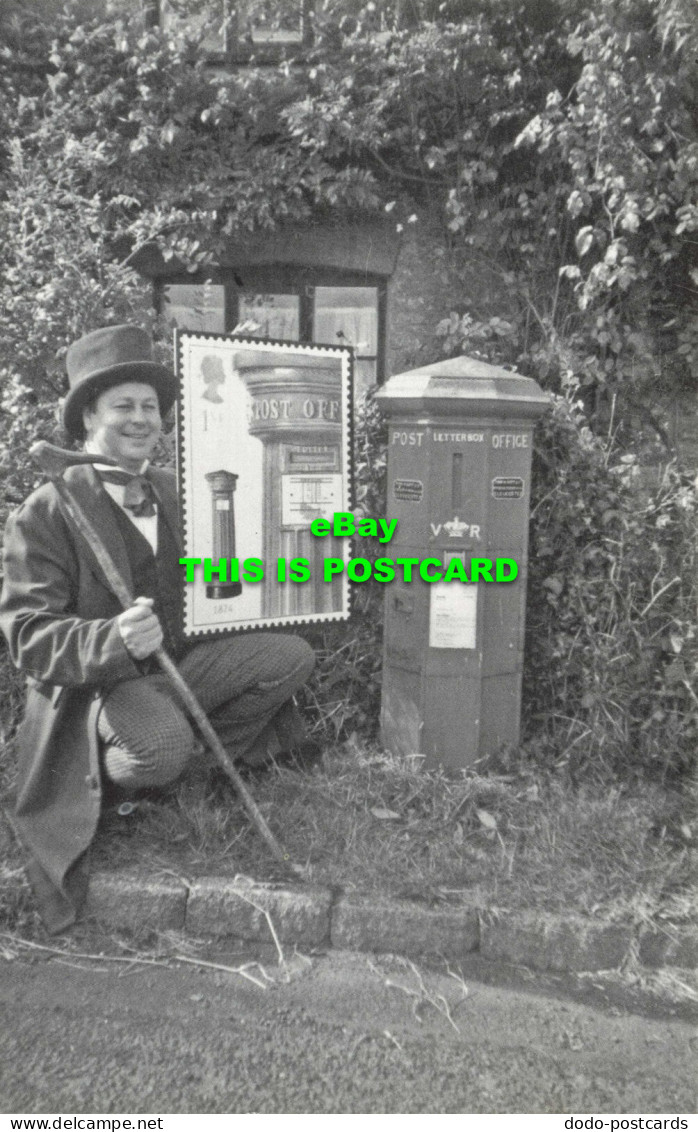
(268, 359)
(464, 387)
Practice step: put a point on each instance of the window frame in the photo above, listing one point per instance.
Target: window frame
(290, 280)
(236, 50)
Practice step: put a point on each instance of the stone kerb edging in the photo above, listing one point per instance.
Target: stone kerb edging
(313, 916)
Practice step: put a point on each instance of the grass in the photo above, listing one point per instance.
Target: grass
(366, 821)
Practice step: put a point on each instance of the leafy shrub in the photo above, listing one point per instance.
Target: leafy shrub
(343, 695)
(611, 641)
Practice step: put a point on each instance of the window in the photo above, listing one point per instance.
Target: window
(323, 306)
(348, 316)
(313, 283)
(195, 306)
(238, 30)
(270, 316)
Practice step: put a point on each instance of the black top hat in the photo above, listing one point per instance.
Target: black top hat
(107, 357)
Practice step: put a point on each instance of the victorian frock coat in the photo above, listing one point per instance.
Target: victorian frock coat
(60, 620)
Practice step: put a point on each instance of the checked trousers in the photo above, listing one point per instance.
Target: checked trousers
(244, 684)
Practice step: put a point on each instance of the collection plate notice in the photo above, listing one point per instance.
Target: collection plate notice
(452, 616)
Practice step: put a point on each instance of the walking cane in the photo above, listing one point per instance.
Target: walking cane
(54, 461)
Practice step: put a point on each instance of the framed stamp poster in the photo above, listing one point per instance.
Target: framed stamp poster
(263, 451)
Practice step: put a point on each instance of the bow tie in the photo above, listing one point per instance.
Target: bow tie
(139, 494)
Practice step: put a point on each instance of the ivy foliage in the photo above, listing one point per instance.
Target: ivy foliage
(556, 138)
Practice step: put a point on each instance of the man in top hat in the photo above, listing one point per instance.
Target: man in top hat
(99, 715)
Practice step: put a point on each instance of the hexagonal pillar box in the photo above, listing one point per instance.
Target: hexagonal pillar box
(459, 472)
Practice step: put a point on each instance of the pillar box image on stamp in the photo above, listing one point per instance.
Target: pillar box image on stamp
(263, 450)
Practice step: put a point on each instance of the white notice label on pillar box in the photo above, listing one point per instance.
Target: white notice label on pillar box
(452, 613)
(309, 496)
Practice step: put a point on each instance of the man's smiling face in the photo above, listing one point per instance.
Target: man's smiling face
(124, 424)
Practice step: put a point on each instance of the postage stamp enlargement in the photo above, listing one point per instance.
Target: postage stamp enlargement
(263, 452)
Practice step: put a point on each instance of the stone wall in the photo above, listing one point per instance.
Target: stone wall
(430, 281)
